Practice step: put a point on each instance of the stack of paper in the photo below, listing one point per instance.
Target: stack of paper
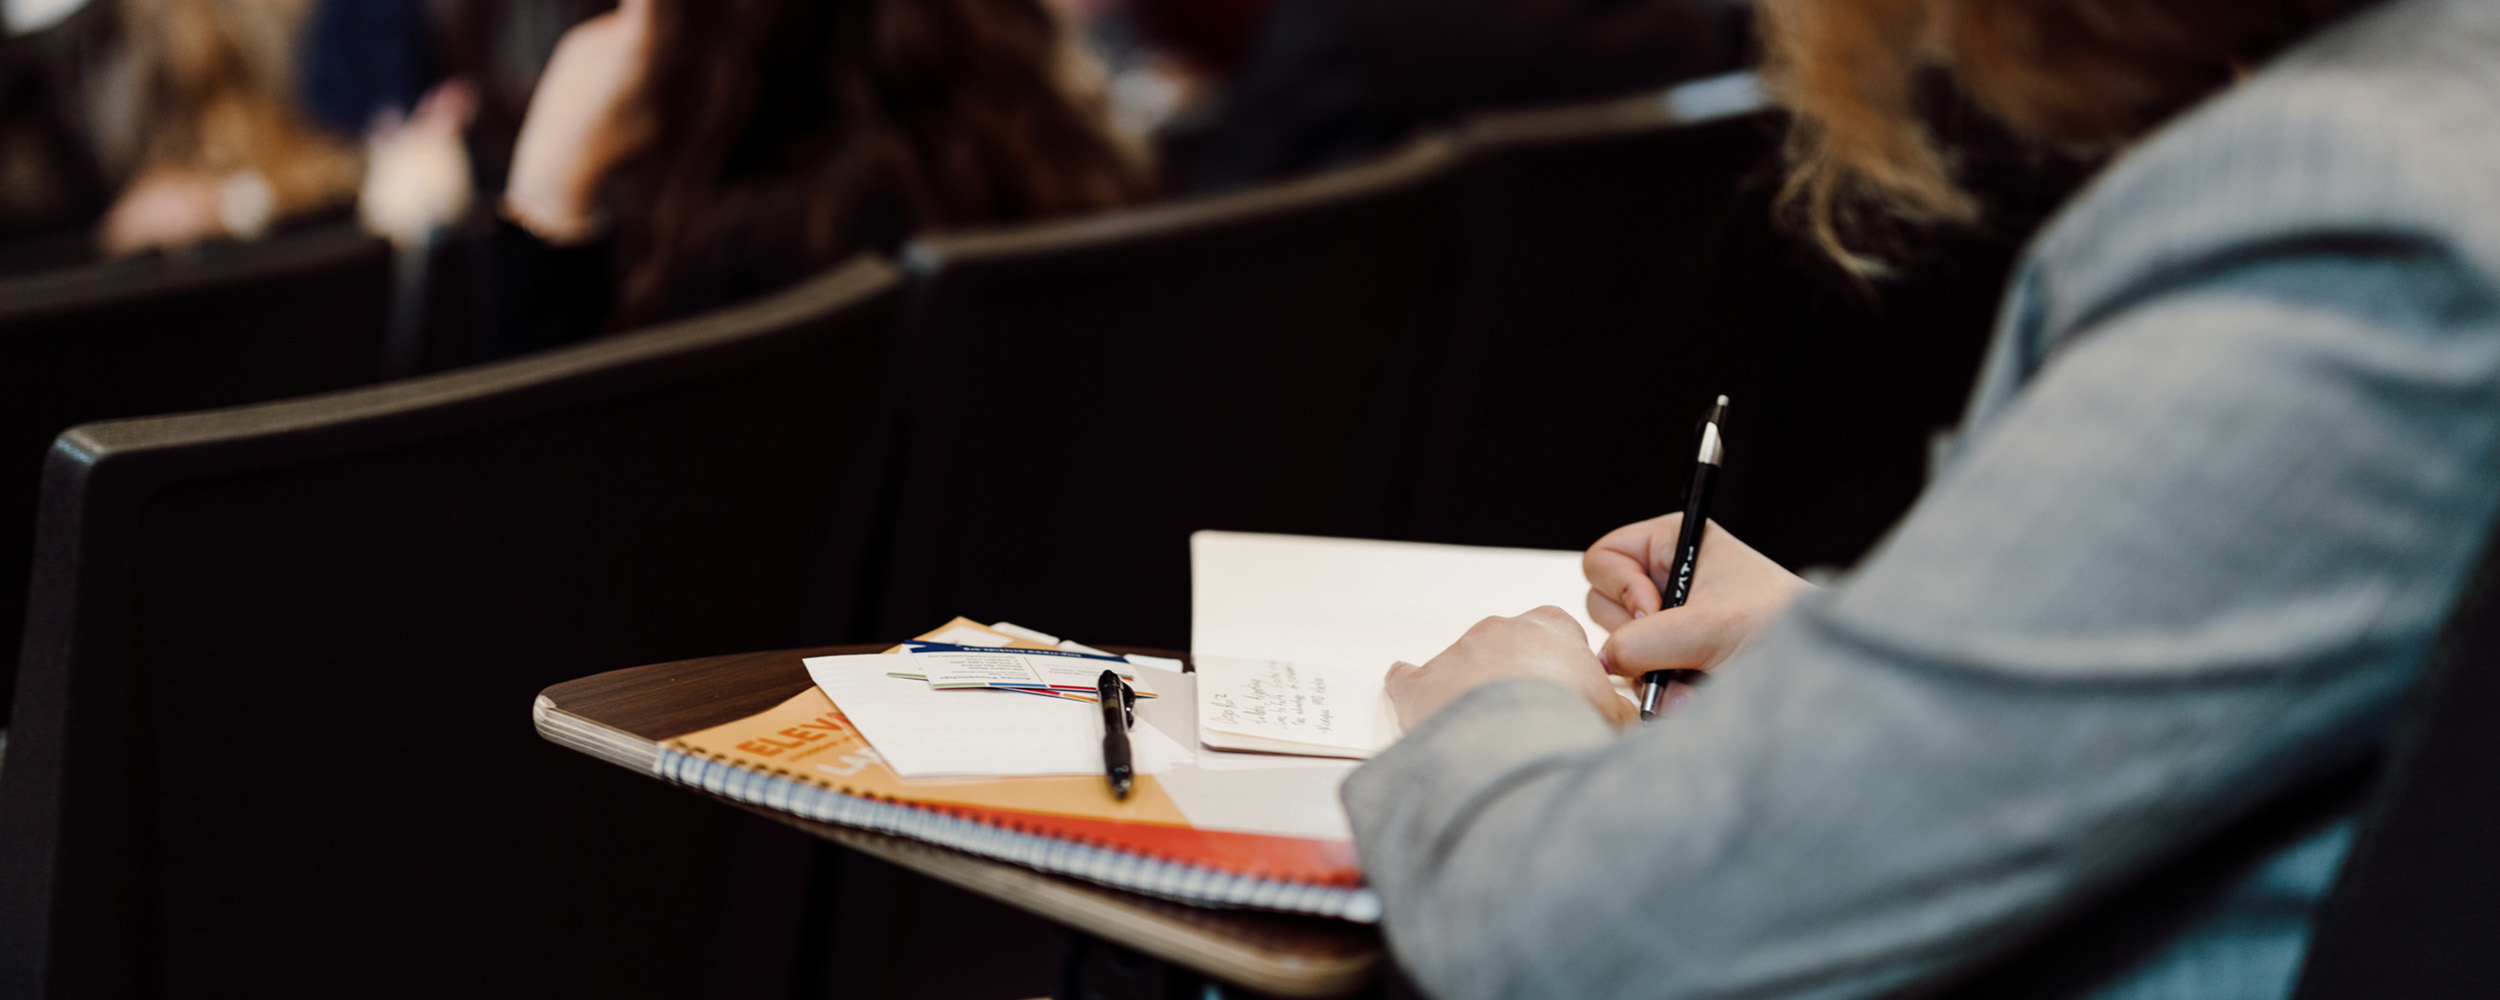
(926, 732)
(1050, 672)
(927, 713)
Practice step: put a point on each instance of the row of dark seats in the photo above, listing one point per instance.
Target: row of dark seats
(281, 650)
(269, 731)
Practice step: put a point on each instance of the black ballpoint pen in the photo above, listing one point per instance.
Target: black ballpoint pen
(1688, 551)
(1119, 711)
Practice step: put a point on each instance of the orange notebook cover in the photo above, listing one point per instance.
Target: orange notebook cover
(803, 757)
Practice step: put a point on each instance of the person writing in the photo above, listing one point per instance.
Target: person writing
(2229, 466)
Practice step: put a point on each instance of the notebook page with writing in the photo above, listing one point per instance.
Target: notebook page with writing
(1342, 610)
(1279, 706)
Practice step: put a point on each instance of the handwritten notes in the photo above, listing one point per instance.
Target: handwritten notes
(1279, 697)
(1277, 706)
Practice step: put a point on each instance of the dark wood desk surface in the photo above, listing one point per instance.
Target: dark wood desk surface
(624, 715)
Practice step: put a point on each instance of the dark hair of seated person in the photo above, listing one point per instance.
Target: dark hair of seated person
(786, 135)
(789, 133)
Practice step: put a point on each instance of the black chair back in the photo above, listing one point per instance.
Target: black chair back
(1081, 396)
(272, 736)
(1620, 265)
(1854, 381)
(226, 325)
(1611, 258)
(2417, 907)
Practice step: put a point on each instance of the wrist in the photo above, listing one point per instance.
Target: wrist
(557, 220)
(245, 204)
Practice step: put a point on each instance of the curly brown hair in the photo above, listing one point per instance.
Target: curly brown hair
(2081, 75)
(795, 131)
(213, 94)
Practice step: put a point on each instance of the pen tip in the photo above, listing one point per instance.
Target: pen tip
(1718, 412)
(1723, 401)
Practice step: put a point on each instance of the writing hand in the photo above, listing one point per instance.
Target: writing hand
(1544, 643)
(1736, 591)
(584, 117)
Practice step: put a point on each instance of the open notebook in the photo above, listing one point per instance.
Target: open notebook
(1292, 635)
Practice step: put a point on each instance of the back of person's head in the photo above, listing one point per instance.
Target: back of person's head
(213, 93)
(796, 130)
(2083, 76)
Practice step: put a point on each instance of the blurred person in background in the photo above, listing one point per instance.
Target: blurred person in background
(1160, 68)
(363, 59)
(372, 72)
(215, 144)
(2095, 719)
(499, 48)
(1321, 83)
(678, 155)
(52, 57)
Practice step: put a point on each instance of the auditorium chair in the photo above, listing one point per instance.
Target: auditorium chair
(2418, 903)
(1609, 261)
(1622, 263)
(21, 256)
(273, 734)
(1856, 382)
(1079, 396)
(223, 325)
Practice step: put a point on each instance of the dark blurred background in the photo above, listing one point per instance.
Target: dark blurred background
(1372, 268)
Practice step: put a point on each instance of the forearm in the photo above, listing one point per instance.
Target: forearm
(2194, 565)
(1836, 817)
(1468, 782)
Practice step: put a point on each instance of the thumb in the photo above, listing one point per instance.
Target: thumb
(1674, 639)
(1398, 673)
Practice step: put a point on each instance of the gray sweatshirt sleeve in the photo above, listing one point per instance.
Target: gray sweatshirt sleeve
(2198, 557)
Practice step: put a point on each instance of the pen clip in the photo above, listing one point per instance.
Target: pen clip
(1110, 688)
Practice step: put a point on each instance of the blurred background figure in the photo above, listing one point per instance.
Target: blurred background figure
(51, 56)
(417, 177)
(366, 58)
(679, 155)
(1167, 64)
(1319, 83)
(373, 69)
(498, 48)
(215, 144)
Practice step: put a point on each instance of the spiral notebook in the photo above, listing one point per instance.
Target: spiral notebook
(1202, 842)
(1071, 826)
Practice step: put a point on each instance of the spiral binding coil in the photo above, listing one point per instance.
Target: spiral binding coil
(1153, 876)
